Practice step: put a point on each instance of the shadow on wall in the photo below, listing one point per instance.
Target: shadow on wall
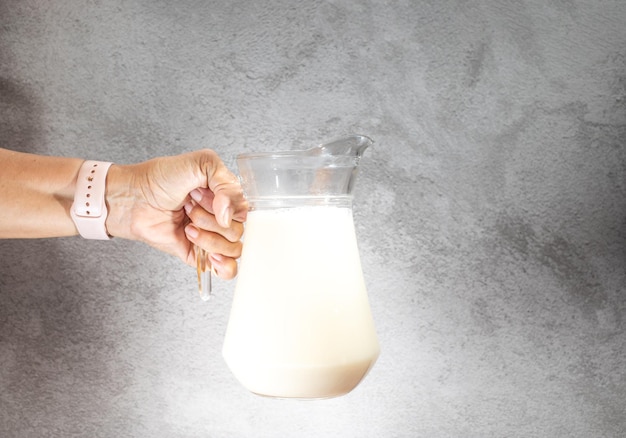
(49, 337)
(40, 317)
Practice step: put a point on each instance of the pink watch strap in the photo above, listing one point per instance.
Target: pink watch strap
(89, 210)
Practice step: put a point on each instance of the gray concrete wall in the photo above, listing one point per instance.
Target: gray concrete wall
(491, 212)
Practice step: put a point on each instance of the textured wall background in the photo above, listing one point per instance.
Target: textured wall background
(491, 212)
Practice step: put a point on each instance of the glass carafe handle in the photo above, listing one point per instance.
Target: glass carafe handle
(204, 273)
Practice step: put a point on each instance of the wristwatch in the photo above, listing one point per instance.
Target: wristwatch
(89, 210)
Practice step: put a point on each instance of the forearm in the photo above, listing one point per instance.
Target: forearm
(36, 193)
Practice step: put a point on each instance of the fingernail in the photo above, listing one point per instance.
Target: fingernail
(191, 231)
(196, 195)
(218, 258)
(188, 207)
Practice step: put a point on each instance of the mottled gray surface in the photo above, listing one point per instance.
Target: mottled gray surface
(491, 213)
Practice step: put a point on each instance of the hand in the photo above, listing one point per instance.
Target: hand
(151, 202)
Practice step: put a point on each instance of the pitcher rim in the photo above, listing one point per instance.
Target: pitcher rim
(301, 152)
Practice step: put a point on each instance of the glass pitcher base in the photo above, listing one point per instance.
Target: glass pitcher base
(275, 397)
(304, 383)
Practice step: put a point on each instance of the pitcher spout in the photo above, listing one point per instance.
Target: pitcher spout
(352, 146)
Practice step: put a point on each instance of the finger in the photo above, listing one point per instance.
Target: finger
(204, 220)
(229, 204)
(223, 267)
(236, 211)
(213, 243)
(203, 197)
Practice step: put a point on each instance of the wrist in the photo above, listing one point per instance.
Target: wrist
(120, 198)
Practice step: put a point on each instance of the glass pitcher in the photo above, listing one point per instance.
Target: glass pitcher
(300, 324)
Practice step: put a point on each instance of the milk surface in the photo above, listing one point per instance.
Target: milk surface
(300, 324)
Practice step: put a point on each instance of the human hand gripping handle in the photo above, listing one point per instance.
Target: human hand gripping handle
(181, 205)
(204, 266)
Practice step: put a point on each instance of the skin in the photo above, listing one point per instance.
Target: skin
(170, 203)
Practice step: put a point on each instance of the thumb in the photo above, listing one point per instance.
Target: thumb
(227, 198)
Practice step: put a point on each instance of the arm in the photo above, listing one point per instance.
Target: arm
(36, 193)
(146, 202)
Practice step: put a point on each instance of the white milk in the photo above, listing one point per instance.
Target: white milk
(300, 325)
